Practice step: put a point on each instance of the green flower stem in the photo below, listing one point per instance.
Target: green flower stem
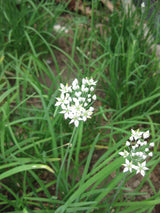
(80, 132)
(72, 139)
(76, 130)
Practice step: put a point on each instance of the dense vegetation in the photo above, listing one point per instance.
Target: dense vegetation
(47, 164)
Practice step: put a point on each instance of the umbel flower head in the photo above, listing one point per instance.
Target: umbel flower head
(137, 151)
(75, 100)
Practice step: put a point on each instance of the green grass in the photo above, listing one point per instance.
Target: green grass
(47, 165)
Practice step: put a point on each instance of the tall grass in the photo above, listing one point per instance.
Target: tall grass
(23, 25)
(47, 165)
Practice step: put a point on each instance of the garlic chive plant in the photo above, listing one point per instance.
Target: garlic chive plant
(75, 100)
(138, 149)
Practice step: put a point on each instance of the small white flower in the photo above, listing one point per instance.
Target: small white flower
(49, 61)
(82, 99)
(78, 93)
(128, 143)
(65, 89)
(92, 89)
(84, 89)
(91, 109)
(146, 149)
(66, 111)
(143, 4)
(75, 119)
(152, 144)
(89, 100)
(146, 134)
(76, 101)
(94, 97)
(136, 134)
(128, 166)
(62, 100)
(77, 109)
(75, 85)
(139, 142)
(141, 154)
(75, 82)
(66, 30)
(84, 81)
(86, 114)
(91, 82)
(150, 154)
(144, 156)
(145, 143)
(136, 145)
(141, 168)
(133, 147)
(124, 154)
(58, 27)
(131, 138)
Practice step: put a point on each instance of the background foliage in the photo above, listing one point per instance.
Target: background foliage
(46, 164)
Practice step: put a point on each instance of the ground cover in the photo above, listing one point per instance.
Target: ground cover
(71, 162)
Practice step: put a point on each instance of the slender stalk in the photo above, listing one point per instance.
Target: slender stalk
(80, 132)
(64, 160)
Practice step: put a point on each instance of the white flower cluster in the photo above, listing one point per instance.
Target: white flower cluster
(143, 7)
(143, 4)
(138, 149)
(59, 28)
(75, 100)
